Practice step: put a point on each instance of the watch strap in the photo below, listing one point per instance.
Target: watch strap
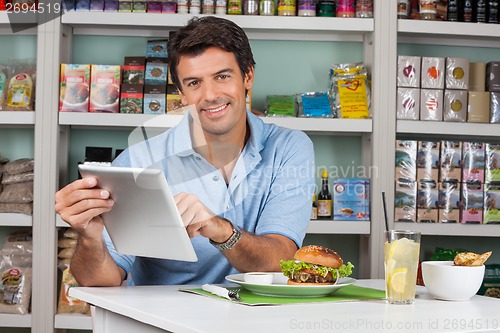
(232, 240)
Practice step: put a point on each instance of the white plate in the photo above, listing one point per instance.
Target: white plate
(280, 288)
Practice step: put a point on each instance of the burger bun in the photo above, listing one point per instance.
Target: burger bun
(318, 255)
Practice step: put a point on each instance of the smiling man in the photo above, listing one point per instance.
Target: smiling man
(242, 187)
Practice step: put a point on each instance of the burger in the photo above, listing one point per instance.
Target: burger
(313, 265)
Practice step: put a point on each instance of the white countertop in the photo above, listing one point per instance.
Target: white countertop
(167, 308)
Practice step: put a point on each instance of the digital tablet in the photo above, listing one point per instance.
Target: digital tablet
(144, 220)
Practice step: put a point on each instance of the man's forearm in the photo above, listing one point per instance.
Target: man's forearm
(92, 265)
(260, 253)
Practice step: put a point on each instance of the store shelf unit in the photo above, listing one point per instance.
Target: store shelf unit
(470, 35)
(14, 120)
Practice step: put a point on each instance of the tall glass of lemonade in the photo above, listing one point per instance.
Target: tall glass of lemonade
(401, 252)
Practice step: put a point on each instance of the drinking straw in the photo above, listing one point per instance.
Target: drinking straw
(385, 212)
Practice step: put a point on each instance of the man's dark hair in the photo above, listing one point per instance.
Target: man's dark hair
(202, 33)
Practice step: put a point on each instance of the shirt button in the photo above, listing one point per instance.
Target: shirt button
(198, 158)
(252, 154)
(228, 206)
(216, 178)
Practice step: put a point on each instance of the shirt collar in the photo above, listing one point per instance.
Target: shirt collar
(183, 145)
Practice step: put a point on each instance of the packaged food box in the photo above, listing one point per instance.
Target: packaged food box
(455, 105)
(493, 76)
(105, 88)
(139, 6)
(155, 99)
(428, 161)
(457, 73)
(97, 5)
(351, 199)
(432, 73)
(473, 167)
(82, 5)
(156, 71)
(74, 88)
(477, 76)
(157, 48)
(131, 98)
(450, 166)
(154, 6)
(110, 5)
(133, 70)
(405, 201)
(431, 104)
(492, 203)
(479, 107)
(408, 103)
(449, 202)
(495, 107)
(125, 6)
(472, 202)
(492, 167)
(427, 202)
(174, 104)
(409, 71)
(406, 160)
(169, 7)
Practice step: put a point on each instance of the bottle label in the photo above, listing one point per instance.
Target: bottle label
(325, 208)
(314, 213)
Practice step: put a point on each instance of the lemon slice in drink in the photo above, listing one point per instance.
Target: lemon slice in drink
(397, 280)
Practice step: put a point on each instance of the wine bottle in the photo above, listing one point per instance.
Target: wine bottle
(324, 199)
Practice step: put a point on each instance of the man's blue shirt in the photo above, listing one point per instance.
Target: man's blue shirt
(269, 192)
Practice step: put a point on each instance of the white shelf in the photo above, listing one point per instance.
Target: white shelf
(268, 27)
(447, 128)
(326, 125)
(451, 229)
(448, 33)
(315, 227)
(339, 227)
(17, 118)
(15, 320)
(117, 120)
(15, 220)
(73, 321)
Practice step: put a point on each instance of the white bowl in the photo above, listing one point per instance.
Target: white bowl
(258, 278)
(448, 282)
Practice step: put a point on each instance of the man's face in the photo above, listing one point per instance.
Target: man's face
(213, 82)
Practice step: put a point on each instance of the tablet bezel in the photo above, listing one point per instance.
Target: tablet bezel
(142, 195)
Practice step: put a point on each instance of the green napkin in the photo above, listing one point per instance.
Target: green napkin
(348, 293)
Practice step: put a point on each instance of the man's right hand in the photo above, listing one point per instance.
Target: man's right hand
(80, 204)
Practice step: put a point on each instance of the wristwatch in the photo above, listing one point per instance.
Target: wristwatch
(231, 242)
